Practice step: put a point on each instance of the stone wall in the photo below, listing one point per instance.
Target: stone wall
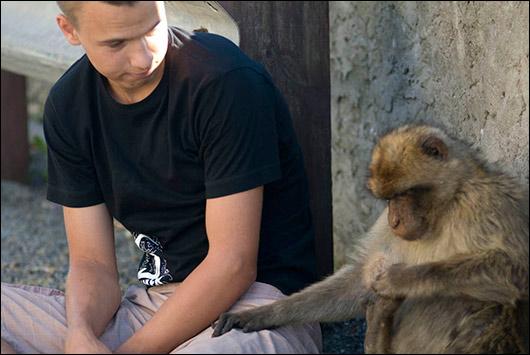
(462, 65)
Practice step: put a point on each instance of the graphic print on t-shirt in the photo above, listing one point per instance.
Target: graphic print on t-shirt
(153, 269)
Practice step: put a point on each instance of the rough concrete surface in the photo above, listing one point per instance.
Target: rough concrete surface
(460, 65)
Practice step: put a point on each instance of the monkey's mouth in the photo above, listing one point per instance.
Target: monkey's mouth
(408, 231)
(410, 237)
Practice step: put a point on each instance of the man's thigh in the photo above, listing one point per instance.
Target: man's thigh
(34, 318)
(34, 321)
(303, 339)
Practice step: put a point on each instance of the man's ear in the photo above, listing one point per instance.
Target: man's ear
(68, 29)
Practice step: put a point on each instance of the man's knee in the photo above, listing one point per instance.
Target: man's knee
(7, 348)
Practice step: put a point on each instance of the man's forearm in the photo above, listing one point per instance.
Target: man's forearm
(208, 291)
(92, 297)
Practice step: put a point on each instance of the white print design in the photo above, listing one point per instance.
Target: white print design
(153, 267)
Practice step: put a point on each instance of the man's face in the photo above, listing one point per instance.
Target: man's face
(126, 44)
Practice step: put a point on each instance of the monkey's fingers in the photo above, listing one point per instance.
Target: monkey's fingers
(225, 323)
(254, 325)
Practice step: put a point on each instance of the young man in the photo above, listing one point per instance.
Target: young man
(187, 142)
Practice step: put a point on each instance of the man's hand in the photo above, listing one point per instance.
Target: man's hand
(79, 342)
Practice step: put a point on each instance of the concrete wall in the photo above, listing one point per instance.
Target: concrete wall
(463, 65)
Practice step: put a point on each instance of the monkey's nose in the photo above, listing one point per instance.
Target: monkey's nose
(394, 222)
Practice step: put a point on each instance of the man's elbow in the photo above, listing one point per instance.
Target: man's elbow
(239, 268)
(250, 274)
(244, 270)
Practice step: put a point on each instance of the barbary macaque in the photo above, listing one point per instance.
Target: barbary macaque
(443, 270)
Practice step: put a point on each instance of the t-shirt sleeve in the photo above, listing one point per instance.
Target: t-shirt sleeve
(239, 140)
(72, 180)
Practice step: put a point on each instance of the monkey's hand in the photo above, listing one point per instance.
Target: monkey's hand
(375, 266)
(249, 320)
(394, 281)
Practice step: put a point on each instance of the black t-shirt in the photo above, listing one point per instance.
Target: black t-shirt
(215, 125)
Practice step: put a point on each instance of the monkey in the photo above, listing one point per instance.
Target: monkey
(380, 318)
(444, 269)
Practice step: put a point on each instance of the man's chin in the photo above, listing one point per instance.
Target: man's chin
(134, 83)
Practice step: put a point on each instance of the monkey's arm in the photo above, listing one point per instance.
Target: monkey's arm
(490, 276)
(341, 296)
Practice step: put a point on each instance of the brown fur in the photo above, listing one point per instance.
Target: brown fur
(445, 267)
(380, 316)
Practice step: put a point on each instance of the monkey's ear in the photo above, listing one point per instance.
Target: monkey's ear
(435, 147)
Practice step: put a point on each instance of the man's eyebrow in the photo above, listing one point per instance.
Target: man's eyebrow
(112, 40)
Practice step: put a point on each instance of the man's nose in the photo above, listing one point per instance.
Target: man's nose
(141, 56)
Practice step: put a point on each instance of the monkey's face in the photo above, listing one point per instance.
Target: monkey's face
(406, 217)
(407, 168)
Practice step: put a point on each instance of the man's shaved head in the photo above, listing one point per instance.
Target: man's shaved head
(70, 8)
(125, 41)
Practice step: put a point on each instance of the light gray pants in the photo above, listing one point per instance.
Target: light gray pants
(34, 321)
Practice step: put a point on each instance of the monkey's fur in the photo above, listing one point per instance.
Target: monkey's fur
(443, 270)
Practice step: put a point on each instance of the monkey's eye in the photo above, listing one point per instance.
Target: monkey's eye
(432, 151)
(418, 190)
(434, 147)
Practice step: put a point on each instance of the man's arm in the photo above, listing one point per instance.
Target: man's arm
(92, 288)
(232, 225)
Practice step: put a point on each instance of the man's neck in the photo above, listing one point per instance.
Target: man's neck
(129, 96)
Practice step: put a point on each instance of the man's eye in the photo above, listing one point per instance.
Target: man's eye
(115, 44)
(154, 30)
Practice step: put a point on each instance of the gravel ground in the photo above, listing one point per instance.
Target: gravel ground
(34, 251)
(34, 248)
